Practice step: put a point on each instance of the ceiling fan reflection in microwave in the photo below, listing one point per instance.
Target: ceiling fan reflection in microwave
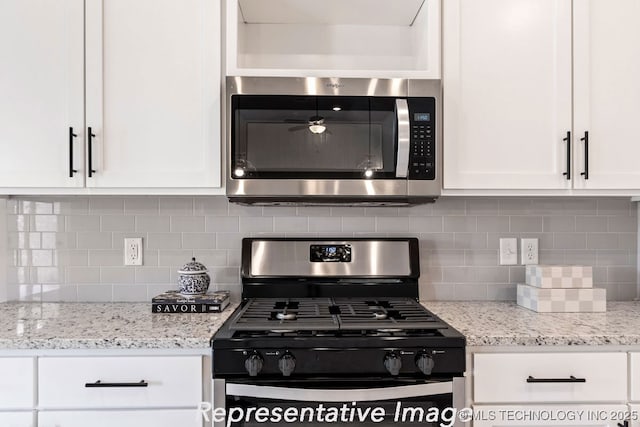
(315, 124)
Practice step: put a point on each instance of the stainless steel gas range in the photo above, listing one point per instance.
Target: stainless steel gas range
(333, 326)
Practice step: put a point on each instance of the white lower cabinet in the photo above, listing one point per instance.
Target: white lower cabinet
(129, 418)
(16, 383)
(17, 419)
(549, 415)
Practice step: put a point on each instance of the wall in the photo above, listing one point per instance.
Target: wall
(70, 248)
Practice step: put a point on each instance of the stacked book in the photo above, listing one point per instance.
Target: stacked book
(561, 289)
(175, 302)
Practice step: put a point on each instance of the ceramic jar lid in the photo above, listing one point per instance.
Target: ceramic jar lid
(193, 267)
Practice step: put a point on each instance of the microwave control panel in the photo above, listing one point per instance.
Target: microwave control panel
(422, 152)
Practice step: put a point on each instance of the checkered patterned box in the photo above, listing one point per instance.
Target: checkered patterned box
(559, 276)
(542, 300)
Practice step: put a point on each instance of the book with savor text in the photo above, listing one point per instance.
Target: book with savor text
(175, 302)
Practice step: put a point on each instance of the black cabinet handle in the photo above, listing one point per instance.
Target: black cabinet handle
(71, 136)
(586, 154)
(91, 135)
(100, 384)
(568, 139)
(571, 379)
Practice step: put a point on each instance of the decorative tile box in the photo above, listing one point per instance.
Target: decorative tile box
(559, 276)
(546, 300)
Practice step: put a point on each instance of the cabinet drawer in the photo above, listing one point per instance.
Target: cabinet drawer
(17, 419)
(634, 376)
(124, 382)
(502, 378)
(16, 382)
(155, 418)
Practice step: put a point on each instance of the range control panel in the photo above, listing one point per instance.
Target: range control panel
(422, 153)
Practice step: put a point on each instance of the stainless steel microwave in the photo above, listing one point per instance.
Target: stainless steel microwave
(308, 141)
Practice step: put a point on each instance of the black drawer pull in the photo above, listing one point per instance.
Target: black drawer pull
(90, 135)
(571, 379)
(71, 136)
(585, 138)
(100, 384)
(568, 139)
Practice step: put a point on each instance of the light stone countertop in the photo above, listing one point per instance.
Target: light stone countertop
(38, 326)
(507, 324)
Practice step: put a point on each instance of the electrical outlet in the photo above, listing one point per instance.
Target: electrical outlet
(529, 251)
(133, 251)
(509, 251)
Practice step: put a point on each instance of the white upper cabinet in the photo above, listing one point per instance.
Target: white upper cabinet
(507, 93)
(511, 94)
(151, 97)
(333, 38)
(41, 93)
(153, 93)
(607, 93)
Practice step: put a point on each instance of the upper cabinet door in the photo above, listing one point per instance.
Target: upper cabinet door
(507, 93)
(607, 93)
(41, 93)
(153, 93)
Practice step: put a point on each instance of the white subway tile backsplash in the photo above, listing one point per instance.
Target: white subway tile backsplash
(82, 223)
(71, 248)
(164, 241)
(94, 240)
(187, 223)
(358, 224)
(106, 205)
(392, 224)
(230, 224)
(154, 275)
(106, 257)
(153, 223)
(114, 275)
(77, 275)
(182, 206)
(258, 224)
(288, 224)
(327, 224)
(125, 223)
(199, 240)
(95, 293)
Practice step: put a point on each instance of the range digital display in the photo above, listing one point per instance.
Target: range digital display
(421, 117)
(330, 253)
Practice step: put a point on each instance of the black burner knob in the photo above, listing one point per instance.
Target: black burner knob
(253, 363)
(425, 363)
(393, 363)
(287, 364)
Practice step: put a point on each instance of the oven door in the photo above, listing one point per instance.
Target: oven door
(361, 402)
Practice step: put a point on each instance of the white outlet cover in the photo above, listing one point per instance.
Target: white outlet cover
(133, 251)
(509, 251)
(528, 251)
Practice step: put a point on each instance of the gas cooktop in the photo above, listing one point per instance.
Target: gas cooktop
(334, 307)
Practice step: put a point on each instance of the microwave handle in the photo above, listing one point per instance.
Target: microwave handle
(402, 157)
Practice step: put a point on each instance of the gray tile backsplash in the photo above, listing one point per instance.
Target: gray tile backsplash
(71, 248)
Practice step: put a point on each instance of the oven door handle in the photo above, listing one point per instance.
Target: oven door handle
(404, 132)
(339, 395)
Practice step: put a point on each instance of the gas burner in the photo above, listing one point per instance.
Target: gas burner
(389, 330)
(282, 331)
(286, 316)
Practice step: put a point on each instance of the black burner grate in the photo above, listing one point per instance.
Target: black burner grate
(331, 314)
